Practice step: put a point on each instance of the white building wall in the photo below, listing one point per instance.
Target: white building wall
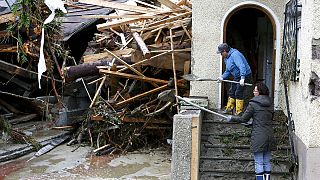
(305, 108)
(207, 19)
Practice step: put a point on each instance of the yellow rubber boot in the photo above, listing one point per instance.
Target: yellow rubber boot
(230, 106)
(239, 106)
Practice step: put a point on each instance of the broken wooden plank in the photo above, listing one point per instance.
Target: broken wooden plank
(143, 47)
(120, 6)
(169, 4)
(170, 19)
(105, 55)
(130, 76)
(116, 23)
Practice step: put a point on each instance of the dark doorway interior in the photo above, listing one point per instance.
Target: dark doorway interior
(250, 31)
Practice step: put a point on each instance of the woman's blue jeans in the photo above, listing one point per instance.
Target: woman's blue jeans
(262, 162)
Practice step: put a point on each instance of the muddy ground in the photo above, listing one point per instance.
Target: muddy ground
(69, 162)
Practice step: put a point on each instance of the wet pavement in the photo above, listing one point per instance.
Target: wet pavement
(69, 162)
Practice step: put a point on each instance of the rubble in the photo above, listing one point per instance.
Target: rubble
(108, 92)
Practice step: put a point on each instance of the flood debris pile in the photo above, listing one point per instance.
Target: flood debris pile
(109, 96)
(141, 50)
(20, 36)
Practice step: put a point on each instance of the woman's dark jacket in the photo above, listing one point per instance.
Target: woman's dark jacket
(260, 109)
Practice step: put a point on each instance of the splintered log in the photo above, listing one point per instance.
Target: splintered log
(171, 19)
(130, 76)
(87, 69)
(143, 47)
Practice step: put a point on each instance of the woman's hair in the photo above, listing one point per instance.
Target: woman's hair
(263, 89)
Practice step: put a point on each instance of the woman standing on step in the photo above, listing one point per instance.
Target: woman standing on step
(260, 109)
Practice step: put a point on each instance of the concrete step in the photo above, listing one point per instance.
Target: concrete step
(237, 175)
(245, 165)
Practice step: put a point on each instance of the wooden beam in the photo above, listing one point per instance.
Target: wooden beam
(116, 23)
(105, 55)
(169, 4)
(170, 19)
(174, 69)
(130, 76)
(143, 47)
(142, 95)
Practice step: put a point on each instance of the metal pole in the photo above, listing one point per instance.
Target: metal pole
(202, 108)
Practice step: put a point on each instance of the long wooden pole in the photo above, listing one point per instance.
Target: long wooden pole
(174, 69)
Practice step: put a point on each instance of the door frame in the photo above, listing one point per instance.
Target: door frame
(276, 58)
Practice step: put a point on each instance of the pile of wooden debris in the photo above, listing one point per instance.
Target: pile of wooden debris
(140, 50)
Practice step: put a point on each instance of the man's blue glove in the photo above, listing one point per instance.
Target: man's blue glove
(241, 82)
(229, 118)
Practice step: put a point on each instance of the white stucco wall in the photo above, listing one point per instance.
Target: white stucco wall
(306, 113)
(207, 19)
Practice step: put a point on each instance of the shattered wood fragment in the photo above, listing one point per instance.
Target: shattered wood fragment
(130, 76)
(155, 120)
(171, 19)
(169, 4)
(106, 55)
(143, 47)
(117, 23)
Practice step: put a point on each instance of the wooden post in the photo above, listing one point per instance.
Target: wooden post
(174, 69)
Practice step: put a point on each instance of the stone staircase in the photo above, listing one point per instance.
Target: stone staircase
(225, 151)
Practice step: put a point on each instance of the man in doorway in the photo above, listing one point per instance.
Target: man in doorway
(238, 67)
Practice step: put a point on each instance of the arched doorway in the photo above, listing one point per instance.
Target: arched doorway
(251, 29)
